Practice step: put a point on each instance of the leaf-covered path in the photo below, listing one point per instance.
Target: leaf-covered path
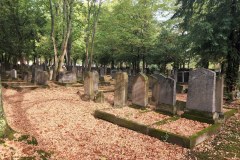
(63, 124)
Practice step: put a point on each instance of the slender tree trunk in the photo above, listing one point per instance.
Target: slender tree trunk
(233, 57)
(54, 42)
(96, 16)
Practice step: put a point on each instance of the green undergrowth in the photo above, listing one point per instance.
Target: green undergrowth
(30, 140)
(225, 145)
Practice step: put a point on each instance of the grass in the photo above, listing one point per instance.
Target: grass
(225, 145)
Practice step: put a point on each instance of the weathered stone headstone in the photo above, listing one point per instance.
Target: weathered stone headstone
(121, 89)
(113, 73)
(152, 81)
(67, 77)
(50, 74)
(102, 72)
(35, 69)
(219, 94)
(14, 74)
(42, 77)
(26, 76)
(202, 90)
(88, 84)
(130, 84)
(95, 81)
(164, 94)
(140, 90)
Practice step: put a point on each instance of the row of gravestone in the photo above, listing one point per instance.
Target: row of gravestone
(40, 77)
(205, 91)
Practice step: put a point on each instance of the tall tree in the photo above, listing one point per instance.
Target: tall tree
(215, 32)
(67, 12)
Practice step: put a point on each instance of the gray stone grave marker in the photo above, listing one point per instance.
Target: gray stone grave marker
(95, 81)
(14, 74)
(202, 90)
(121, 89)
(88, 84)
(42, 77)
(140, 90)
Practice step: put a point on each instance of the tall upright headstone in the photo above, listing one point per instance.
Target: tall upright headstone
(14, 74)
(202, 91)
(121, 89)
(164, 94)
(140, 90)
(88, 84)
(95, 81)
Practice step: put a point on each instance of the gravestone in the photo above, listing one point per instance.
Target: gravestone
(67, 77)
(164, 94)
(50, 73)
(102, 72)
(14, 74)
(152, 81)
(201, 91)
(130, 84)
(26, 76)
(113, 73)
(42, 77)
(140, 90)
(121, 89)
(219, 94)
(88, 84)
(95, 81)
(35, 69)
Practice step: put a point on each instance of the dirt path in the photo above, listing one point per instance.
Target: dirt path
(64, 124)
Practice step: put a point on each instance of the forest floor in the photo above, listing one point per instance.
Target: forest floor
(54, 123)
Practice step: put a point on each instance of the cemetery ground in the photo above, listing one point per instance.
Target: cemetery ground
(55, 123)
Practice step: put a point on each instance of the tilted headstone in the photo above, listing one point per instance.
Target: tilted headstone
(14, 74)
(88, 84)
(42, 77)
(202, 90)
(140, 90)
(121, 89)
(95, 81)
(67, 77)
(219, 93)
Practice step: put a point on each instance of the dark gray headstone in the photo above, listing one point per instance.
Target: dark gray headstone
(201, 90)
(67, 77)
(140, 90)
(42, 77)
